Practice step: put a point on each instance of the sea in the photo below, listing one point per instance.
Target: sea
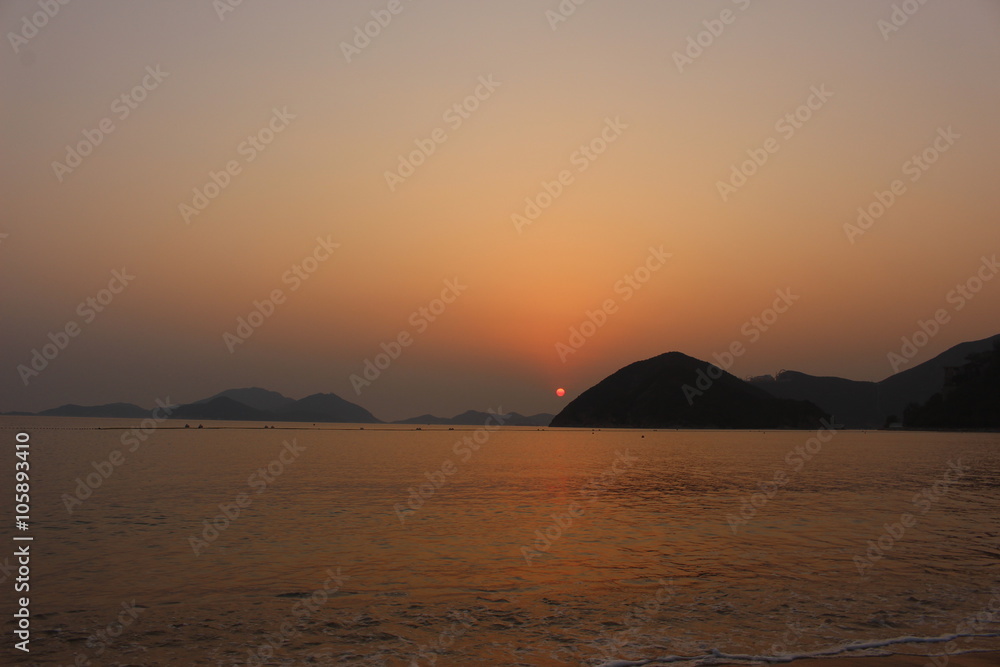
(234, 544)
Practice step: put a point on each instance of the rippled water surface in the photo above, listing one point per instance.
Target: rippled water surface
(531, 547)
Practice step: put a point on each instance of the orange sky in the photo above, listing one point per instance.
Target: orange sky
(670, 137)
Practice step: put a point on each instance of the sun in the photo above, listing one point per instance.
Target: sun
(560, 392)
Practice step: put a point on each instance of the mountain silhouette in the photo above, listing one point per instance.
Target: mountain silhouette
(220, 408)
(969, 399)
(869, 404)
(652, 394)
(425, 419)
(917, 384)
(326, 408)
(261, 399)
(250, 404)
(109, 411)
(853, 403)
(476, 418)
(674, 390)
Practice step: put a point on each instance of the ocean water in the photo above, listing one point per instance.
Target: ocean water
(391, 546)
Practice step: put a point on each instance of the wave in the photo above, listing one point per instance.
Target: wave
(716, 657)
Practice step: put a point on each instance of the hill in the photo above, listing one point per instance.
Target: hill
(869, 404)
(476, 418)
(261, 399)
(252, 404)
(109, 411)
(970, 398)
(674, 390)
(221, 408)
(326, 408)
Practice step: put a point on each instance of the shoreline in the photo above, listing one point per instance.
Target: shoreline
(984, 658)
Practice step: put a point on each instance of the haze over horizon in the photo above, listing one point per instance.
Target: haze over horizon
(293, 132)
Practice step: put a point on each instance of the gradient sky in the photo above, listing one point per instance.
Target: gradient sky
(324, 176)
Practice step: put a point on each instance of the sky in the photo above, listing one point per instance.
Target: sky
(563, 189)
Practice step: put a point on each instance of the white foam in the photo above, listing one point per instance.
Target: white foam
(715, 656)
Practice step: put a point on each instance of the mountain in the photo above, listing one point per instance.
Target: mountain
(969, 399)
(853, 403)
(674, 390)
(252, 404)
(476, 418)
(919, 383)
(869, 404)
(326, 408)
(540, 419)
(425, 419)
(227, 406)
(261, 399)
(111, 410)
(222, 408)
(651, 393)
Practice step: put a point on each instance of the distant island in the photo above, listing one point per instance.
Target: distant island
(261, 405)
(958, 389)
